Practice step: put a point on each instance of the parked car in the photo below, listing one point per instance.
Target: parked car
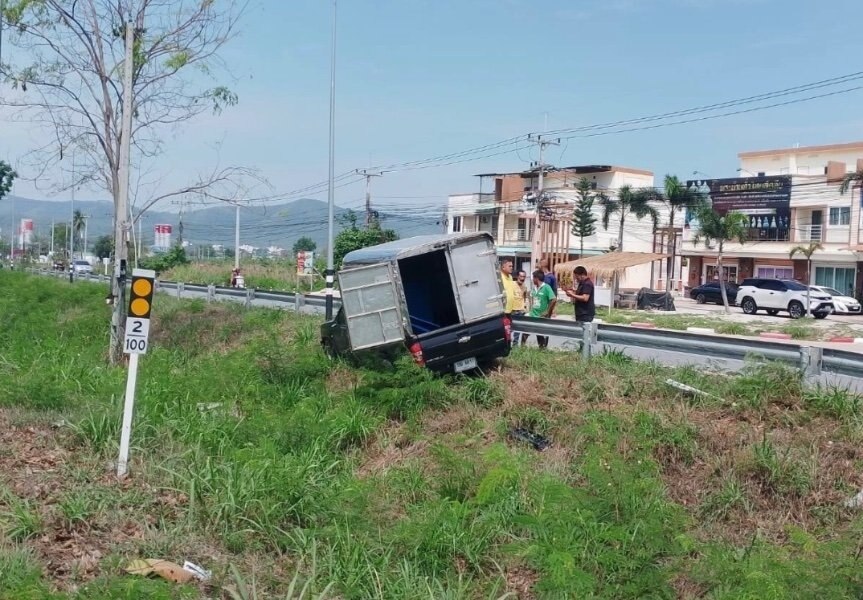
(81, 266)
(439, 296)
(58, 265)
(842, 303)
(710, 292)
(781, 295)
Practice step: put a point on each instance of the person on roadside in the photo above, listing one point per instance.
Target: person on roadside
(543, 303)
(549, 276)
(582, 296)
(508, 286)
(519, 307)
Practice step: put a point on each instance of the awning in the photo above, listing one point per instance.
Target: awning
(606, 265)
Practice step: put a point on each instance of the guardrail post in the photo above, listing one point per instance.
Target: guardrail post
(211, 292)
(299, 301)
(810, 361)
(250, 295)
(156, 285)
(588, 339)
(180, 288)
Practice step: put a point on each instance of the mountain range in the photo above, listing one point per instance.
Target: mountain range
(261, 226)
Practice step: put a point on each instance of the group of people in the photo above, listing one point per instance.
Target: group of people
(540, 300)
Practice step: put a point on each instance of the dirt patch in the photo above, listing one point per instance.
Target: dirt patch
(521, 581)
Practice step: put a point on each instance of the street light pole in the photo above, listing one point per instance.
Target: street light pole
(331, 203)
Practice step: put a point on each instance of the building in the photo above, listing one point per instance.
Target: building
(792, 198)
(508, 212)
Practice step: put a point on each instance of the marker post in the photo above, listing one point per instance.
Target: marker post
(135, 344)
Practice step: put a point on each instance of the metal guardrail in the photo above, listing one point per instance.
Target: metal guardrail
(812, 360)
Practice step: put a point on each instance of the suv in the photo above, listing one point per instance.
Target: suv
(774, 295)
(81, 266)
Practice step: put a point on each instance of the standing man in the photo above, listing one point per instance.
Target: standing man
(520, 304)
(582, 296)
(544, 301)
(508, 285)
(549, 276)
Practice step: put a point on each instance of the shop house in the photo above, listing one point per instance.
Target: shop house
(791, 197)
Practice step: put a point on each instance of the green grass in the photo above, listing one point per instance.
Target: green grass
(289, 474)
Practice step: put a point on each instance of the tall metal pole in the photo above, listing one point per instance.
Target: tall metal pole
(331, 202)
(537, 245)
(237, 240)
(86, 220)
(72, 213)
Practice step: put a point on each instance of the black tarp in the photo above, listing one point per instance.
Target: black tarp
(651, 299)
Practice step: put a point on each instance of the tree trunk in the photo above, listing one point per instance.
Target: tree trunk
(721, 270)
(620, 234)
(808, 279)
(581, 246)
(672, 242)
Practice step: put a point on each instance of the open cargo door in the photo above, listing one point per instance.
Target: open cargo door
(477, 280)
(371, 306)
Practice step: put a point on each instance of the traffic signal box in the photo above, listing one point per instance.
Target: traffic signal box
(141, 298)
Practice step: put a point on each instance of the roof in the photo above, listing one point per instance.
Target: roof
(611, 263)
(578, 170)
(405, 247)
(801, 149)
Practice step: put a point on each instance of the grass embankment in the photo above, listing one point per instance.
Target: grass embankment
(251, 449)
(280, 275)
(801, 329)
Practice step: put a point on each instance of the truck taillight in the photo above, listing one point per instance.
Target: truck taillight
(417, 352)
(507, 329)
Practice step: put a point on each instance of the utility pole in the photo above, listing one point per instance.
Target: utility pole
(52, 238)
(121, 210)
(368, 174)
(331, 202)
(537, 246)
(237, 238)
(86, 221)
(72, 213)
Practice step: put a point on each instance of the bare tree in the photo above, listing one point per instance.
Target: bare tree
(66, 73)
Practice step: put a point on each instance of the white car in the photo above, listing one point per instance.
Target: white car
(81, 266)
(786, 295)
(842, 303)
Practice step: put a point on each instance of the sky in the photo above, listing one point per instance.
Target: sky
(423, 78)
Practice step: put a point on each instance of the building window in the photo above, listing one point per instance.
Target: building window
(711, 273)
(840, 215)
(775, 272)
(838, 278)
(456, 224)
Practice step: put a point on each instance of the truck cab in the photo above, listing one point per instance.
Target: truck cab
(439, 296)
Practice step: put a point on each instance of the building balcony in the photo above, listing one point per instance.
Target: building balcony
(515, 236)
(768, 235)
(810, 233)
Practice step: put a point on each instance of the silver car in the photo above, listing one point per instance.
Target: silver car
(81, 266)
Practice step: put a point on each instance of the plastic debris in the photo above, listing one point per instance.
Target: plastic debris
(539, 443)
(689, 389)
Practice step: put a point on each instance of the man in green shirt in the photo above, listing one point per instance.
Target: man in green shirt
(544, 300)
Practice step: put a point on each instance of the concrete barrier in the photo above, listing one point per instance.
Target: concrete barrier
(700, 330)
(642, 325)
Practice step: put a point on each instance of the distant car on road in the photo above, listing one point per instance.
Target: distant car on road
(81, 266)
(710, 292)
(775, 295)
(842, 303)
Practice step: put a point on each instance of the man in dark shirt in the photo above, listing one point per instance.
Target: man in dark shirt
(582, 296)
(549, 278)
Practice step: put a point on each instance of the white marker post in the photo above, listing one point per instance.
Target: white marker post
(135, 344)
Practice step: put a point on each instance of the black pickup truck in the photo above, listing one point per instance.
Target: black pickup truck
(439, 296)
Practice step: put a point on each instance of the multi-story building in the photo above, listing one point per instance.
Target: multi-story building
(792, 198)
(508, 212)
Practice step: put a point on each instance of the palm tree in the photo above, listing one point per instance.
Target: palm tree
(77, 224)
(678, 197)
(628, 200)
(806, 251)
(713, 227)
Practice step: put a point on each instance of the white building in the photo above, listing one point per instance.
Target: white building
(805, 185)
(509, 214)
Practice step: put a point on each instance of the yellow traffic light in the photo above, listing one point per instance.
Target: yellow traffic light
(141, 300)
